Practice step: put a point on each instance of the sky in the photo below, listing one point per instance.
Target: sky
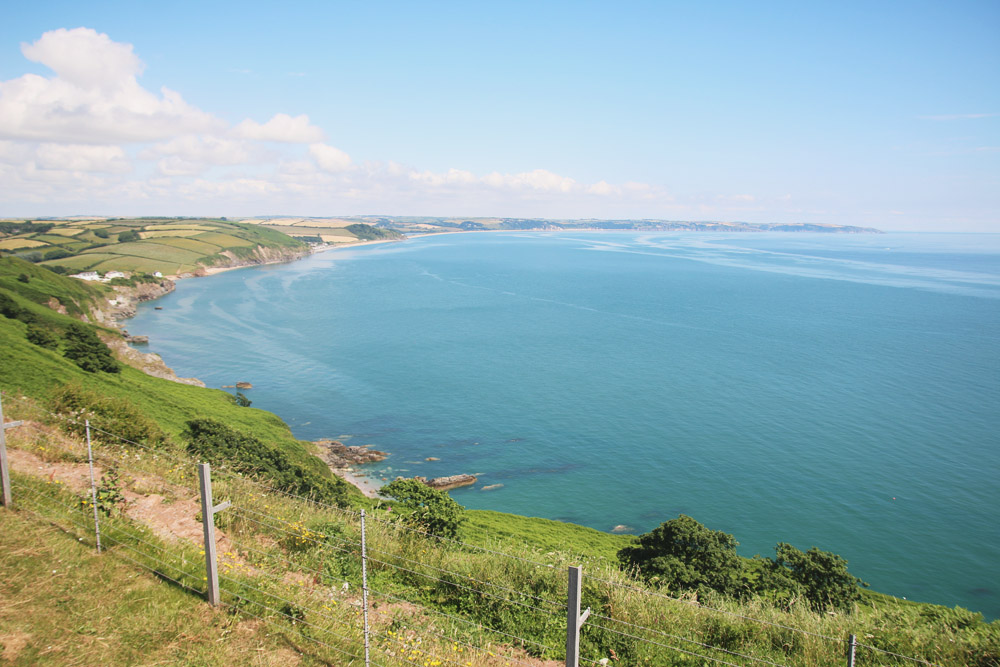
(882, 114)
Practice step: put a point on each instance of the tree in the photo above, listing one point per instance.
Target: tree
(685, 555)
(822, 575)
(128, 236)
(434, 511)
(241, 400)
(86, 350)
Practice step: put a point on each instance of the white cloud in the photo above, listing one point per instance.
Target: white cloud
(604, 188)
(94, 96)
(330, 158)
(450, 177)
(281, 127)
(206, 149)
(82, 157)
(538, 179)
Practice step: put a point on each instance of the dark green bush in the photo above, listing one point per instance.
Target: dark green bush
(686, 556)
(42, 337)
(107, 414)
(217, 443)
(434, 511)
(86, 350)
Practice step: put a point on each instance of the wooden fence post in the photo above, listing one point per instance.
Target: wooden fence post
(4, 469)
(208, 512)
(574, 619)
(364, 585)
(93, 487)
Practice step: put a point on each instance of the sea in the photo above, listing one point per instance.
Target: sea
(828, 390)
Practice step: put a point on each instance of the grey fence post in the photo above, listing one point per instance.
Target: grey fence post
(208, 512)
(852, 644)
(574, 619)
(4, 469)
(364, 584)
(93, 487)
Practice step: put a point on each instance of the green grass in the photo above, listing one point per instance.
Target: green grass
(168, 245)
(54, 239)
(81, 262)
(543, 535)
(43, 285)
(222, 240)
(63, 604)
(193, 245)
(944, 636)
(36, 371)
(123, 263)
(151, 250)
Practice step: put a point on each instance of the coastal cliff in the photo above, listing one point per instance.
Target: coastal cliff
(257, 255)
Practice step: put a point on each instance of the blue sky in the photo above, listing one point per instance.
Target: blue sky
(881, 114)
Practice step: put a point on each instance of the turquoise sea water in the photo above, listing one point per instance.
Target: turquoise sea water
(836, 391)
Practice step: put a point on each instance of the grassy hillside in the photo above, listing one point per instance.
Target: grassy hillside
(35, 371)
(167, 245)
(65, 604)
(304, 552)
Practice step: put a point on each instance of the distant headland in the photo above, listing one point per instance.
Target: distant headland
(410, 225)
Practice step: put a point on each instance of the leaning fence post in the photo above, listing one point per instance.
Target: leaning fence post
(852, 644)
(4, 470)
(208, 512)
(364, 584)
(93, 487)
(574, 619)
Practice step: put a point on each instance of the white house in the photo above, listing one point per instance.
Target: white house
(87, 275)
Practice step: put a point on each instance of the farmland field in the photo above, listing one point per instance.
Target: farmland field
(80, 262)
(190, 244)
(154, 251)
(222, 240)
(54, 239)
(128, 263)
(161, 233)
(16, 244)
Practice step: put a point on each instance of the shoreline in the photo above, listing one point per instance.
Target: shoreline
(350, 475)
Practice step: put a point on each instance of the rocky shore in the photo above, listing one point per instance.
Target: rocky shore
(338, 455)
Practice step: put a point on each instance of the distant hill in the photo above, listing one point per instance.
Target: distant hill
(428, 225)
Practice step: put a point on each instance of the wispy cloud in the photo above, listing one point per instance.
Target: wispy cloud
(959, 116)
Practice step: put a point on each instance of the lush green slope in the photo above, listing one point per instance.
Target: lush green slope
(65, 604)
(947, 636)
(144, 244)
(36, 371)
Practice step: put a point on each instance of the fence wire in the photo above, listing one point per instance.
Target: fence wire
(120, 537)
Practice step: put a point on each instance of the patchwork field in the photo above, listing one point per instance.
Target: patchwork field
(167, 245)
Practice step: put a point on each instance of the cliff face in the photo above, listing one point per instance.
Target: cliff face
(228, 259)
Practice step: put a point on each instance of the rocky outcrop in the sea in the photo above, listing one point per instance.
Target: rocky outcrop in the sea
(338, 455)
(450, 482)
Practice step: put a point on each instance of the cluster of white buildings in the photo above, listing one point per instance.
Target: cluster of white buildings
(94, 276)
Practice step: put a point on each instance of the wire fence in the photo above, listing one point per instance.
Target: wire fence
(365, 588)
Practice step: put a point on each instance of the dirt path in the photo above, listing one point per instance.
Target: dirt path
(170, 515)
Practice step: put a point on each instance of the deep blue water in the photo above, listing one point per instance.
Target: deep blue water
(836, 391)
